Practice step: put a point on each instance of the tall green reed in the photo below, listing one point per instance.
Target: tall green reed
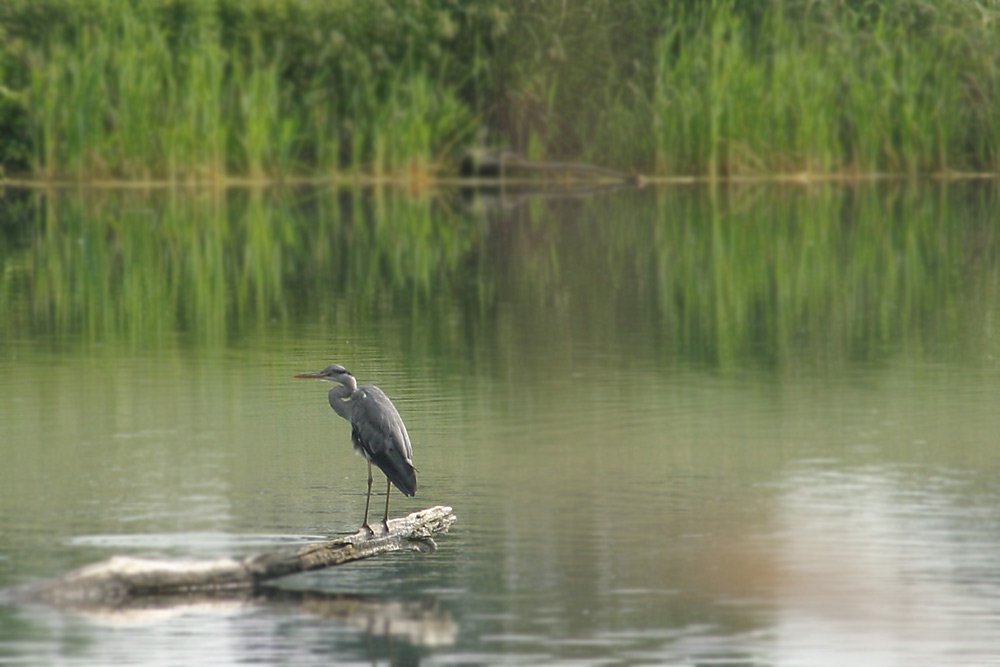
(195, 89)
(201, 90)
(904, 87)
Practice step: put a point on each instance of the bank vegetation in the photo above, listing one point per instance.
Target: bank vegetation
(215, 90)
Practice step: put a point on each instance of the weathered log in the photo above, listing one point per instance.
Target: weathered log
(503, 164)
(124, 578)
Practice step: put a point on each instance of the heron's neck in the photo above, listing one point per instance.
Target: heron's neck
(339, 396)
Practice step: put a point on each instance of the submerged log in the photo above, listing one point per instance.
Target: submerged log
(481, 163)
(124, 578)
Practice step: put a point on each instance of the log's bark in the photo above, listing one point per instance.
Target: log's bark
(124, 578)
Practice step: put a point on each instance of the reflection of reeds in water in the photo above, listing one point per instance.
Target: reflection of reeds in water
(145, 268)
(766, 273)
(772, 274)
(856, 272)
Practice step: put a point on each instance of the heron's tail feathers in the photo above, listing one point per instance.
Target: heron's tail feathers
(399, 471)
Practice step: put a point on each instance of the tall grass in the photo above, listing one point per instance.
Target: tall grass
(116, 97)
(860, 87)
(203, 89)
(414, 124)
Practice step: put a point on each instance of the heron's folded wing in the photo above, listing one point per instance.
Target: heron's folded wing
(378, 430)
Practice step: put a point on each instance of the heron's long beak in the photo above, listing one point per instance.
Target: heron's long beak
(310, 376)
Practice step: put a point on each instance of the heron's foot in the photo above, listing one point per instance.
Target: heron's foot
(385, 524)
(366, 527)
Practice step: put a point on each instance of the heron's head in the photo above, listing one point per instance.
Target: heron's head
(332, 373)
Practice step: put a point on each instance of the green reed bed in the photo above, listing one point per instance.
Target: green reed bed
(265, 89)
(860, 87)
(192, 90)
(721, 87)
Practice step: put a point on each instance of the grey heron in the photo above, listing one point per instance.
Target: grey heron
(377, 431)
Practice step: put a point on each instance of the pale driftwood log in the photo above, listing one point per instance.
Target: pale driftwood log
(125, 578)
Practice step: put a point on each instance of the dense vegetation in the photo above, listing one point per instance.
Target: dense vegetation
(205, 89)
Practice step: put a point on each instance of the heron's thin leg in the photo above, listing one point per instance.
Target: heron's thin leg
(368, 500)
(385, 516)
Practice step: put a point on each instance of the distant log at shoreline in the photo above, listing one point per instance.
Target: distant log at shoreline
(510, 165)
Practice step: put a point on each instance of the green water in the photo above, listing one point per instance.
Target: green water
(745, 426)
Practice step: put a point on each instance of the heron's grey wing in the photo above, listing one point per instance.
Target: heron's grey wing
(378, 431)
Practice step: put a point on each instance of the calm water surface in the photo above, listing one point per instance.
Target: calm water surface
(756, 427)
